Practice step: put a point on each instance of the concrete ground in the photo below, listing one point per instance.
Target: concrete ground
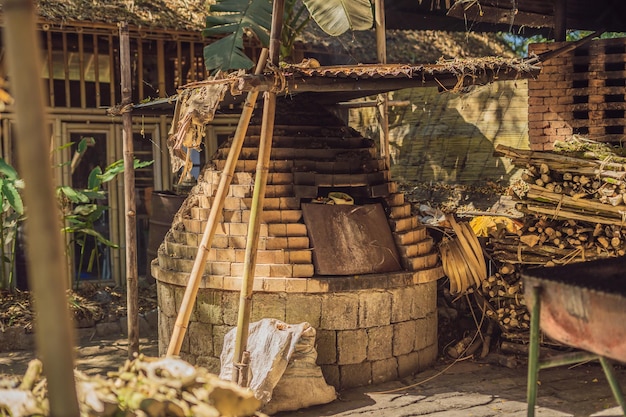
(465, 388)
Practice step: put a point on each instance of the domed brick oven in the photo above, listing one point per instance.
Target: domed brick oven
(362, 274)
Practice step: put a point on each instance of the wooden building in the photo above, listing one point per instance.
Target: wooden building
(80, 50)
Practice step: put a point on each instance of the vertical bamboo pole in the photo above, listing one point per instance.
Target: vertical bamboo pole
(66, 72)
(256, 210)
(182, 320)
(132, 291)
(140, 83)
(46, 260)
(81, 69)
(112, 99)
(161, 68)
(382, 99)
(96, 68)
(560, 20)
(49, 49)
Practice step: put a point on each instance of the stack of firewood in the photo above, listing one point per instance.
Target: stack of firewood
(575, 205)
(577, 202)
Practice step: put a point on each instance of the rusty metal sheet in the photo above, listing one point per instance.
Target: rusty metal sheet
(350, 239)
(583, 305)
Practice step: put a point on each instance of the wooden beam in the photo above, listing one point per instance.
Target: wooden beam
(560, 20)
(81, 70)
(49, 49)
(112, 67)
(47, 274)
(96, 70)
(383, 98)
(66, 72)
(132, 292)
(140, 83)
(161, 68)
(475, 12)
(371, 86)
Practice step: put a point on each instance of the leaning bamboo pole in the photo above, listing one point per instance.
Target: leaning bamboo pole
(191, 291)
(46, 261)
(382, 99)
(240, 369)
(132, 291)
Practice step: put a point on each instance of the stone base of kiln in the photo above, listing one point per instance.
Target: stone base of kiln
(370, 328)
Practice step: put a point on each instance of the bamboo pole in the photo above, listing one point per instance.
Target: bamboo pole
(256, 210)
(132, 292)
(182, 320)
(46, 261)
(382, 99)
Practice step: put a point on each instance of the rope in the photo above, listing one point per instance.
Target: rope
(120, 109)
(280, 82)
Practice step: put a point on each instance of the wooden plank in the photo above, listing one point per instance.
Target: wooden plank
(111, 72)
(350, 239)
(66, 72)
(179, 65)
(81, 69)
(49, 49)
(140, 83)
(192, 62)
(161, 68)
(96, 69)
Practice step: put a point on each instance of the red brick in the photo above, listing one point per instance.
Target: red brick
(565, 100)
(550, 100)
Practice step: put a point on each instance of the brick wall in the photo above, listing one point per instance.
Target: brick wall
(580, 92)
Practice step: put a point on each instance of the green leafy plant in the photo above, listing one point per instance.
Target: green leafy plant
(10, 217)
(237, 17)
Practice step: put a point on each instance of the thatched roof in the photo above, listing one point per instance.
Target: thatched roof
(180, 15)
(351, 48)
(408, 46)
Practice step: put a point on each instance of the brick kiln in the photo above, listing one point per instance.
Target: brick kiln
(368, 286)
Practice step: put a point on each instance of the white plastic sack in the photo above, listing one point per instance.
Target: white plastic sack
(283, 372)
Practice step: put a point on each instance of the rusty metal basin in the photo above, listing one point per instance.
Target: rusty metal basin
(583, 305)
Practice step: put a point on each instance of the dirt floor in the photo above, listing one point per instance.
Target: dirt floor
(448, 389)
(93, 357)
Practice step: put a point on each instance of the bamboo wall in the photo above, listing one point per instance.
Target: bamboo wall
(447, 137)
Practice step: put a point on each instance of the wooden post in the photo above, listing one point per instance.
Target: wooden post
(132, 297)
(383, 99)
(256, 210)
(560, 20)
(182, 320)
(47, 273)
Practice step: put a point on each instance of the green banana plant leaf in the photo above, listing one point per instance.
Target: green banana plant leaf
(112, 170)
(12, 196)
(234, 17)
(7, 170)
(226, 54)
(73, 195)
(336, 17)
